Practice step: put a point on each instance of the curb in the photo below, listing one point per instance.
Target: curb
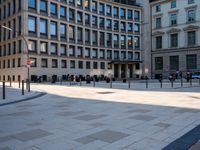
(25, 99)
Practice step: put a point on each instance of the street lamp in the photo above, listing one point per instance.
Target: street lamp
(28, 59)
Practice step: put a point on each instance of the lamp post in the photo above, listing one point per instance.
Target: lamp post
(28, 60)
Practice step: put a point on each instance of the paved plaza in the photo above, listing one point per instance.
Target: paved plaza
(88, 118)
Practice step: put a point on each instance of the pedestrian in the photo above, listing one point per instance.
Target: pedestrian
(188, 76)
(177, 72)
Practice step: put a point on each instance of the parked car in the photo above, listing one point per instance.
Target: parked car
(196, 75)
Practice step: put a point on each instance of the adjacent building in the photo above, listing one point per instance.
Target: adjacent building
(175, 26)
(75, 37)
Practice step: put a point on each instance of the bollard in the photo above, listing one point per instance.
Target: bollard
(110, 83)
(19, 83)
(147, 83)
(181, 82)
(129, 84)
(161, 83)
(93, 82)
(22, 87)
(4, 90)
(191, 82)
(10, 81)
(29, 85)
(172, 83)
(80, 82)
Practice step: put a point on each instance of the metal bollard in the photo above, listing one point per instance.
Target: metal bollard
(19, 84)
(172, 83)
(93, 82)
(147, 83)
(10, 81)
(4, 90)
(22, 87)
(29, 86)
(181, 82)
(129, 84)
(110, 83)
(161, 83)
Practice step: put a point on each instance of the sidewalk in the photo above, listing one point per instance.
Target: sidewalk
(14, 94)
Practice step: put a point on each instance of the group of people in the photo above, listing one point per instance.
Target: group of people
(179, 74)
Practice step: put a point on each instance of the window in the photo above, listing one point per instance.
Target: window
(53, 29)
(116, 12)
(87, 52)
(62, 11)
(158, 63)
(80, 34)
(130, 14)
(173, 4)
(123, 55)
(102, 53)
(33, 62)
(174, 62)
(108, 24)
(130, 42)
(71, 14)
(190, 1)
(94, 21)
(71, 33)
(63, 31)
(109, 54)
(101, 8)
(102, 38)
(191, 16)
(32, 24)
(130, 55)
(43, 6)
(19, 62)
(43, 47)
(191, 38)
(87, 4)
(72, 2)
(54, 63)
(137, 42)
(158, 42)
(123, 26)
(43, 26)
(116, 25)
(94, 6)
(158, 23)
(94, 53)
(63, 50)
(122, 13)
(87, 36)
(13, 63)
(137, 16)
(136, 27)
(123, 41)
(130, 27)
(79, 3)
(53, 48)
(158, 8)
(101, 22)
(72, 51)
(116, 40)
(94, 37)
(191, 61)
(44, 63)
(32, 4)
(88, 65)
(63, 63)
(173, 18)
(109, 39)
(174, 40)
(53, 9)
(108, 10)
(87, 19)
(95, 65)
(80, 64)
(8, 65)
(80, 52)
(116, 54)
(72, 64)
(102, 65)
(32, 46)
(79, 17)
